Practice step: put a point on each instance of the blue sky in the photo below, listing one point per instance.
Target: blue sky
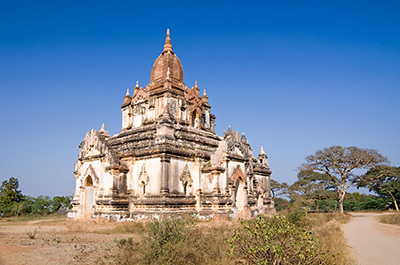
(295, 76)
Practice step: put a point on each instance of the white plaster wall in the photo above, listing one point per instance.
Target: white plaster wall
(125, 118)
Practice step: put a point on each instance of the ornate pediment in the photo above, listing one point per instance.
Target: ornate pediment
(238, 174)
(140, 94)
(185, 176)
(195, 103)
(95, 144)
(92, 173)
(143, 178)
(236, 144)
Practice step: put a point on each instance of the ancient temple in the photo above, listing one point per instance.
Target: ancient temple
(167, 159)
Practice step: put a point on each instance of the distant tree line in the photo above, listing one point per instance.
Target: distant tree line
(14, 203)
(324, 179)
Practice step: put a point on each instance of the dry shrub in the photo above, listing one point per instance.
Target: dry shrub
(31, 234)
(318, 219)
(176, 241)
(327, 228)
(393, 219)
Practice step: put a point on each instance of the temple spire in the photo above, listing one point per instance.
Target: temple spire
(262, 151)
(168, 45)
(127, 92)
(103, 128)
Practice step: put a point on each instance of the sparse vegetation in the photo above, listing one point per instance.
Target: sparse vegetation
(31, 234)
(178, 241)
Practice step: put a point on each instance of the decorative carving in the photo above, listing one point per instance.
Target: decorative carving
(238, 174)
(97, 140)
(143, 178)
(90, 172)
(139, 94)
(185, 176)
(235, 142)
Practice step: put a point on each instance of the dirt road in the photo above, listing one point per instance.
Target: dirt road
(372, 242)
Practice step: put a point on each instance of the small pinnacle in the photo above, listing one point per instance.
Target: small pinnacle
(103, 128)
(204, 93)
(195, 83)
(137, 84)
(262, 151)
(127, 94)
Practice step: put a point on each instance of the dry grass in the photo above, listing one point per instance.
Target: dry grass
(124, 228)
(393, 219)
(326, 227)
(28, 218)
(71, 242)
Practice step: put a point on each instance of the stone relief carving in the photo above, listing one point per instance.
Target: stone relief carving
(143, 178)
(185, 176)
(186, 179)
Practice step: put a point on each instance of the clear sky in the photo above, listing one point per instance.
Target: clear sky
(295, 76)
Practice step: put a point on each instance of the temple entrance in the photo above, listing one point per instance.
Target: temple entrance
(89, 197)
(240, 198)
(239, 195)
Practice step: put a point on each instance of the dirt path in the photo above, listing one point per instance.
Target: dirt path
(373, 242)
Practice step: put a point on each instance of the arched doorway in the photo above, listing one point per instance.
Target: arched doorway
(239, 194)
(89, 197)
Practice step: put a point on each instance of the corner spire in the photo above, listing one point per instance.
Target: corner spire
(168, 45)
(103, 128)
(127, 93)
(262, 151)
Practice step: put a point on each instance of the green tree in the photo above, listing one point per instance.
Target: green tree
(311, 186)
(278, 189)
(384, 180)
(339, 163)
(10, 196)
(58, 201)
(42, 205)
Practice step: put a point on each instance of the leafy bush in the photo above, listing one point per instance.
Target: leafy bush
(275, 240)
(296, 216)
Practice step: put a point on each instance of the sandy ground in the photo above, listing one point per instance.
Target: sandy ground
(57, 241)
(372, 242)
